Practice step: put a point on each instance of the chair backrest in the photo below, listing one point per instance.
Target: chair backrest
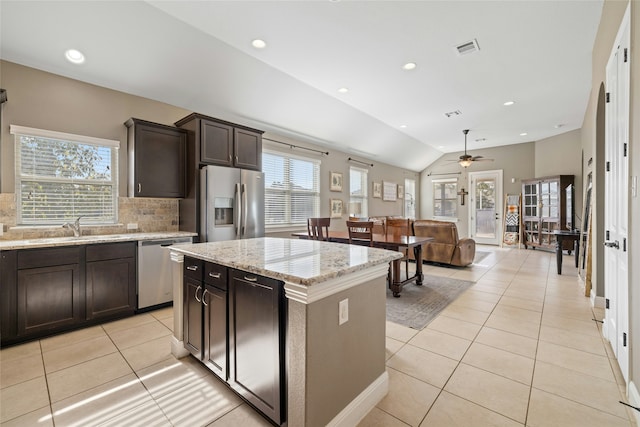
(379, 226)
(398, 227)
(361, 231)
(318, 228)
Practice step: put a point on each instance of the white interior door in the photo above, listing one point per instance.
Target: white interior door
(616, 211)
(485, 207)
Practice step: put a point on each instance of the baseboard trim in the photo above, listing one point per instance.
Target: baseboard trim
(596, 301)
(359, 407)
(177, 348)
(634, 399)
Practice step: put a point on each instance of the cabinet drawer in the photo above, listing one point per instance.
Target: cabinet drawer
(193, 268)
(45, 257)
(215, 275)
(107, 251)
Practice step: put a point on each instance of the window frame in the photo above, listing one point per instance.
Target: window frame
(362, 199)
(22, 177)
(443, 199)
(289, 224)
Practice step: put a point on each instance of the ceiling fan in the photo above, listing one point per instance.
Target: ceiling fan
(466, 159)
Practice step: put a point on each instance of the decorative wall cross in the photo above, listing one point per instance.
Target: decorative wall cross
(462, 193)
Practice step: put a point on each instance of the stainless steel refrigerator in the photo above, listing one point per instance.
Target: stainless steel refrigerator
(232, 203)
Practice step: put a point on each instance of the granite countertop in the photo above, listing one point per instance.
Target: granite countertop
(303, 262)
(89, 240)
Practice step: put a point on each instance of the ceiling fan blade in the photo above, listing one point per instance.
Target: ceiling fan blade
(481, 159)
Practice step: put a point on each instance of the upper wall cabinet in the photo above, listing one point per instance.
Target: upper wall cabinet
(217, 142)
(157, 159)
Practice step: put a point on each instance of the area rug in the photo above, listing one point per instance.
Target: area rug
(419, 305)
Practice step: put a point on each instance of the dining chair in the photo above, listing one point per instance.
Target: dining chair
(360, 230)
(318, 228)
(397, 228)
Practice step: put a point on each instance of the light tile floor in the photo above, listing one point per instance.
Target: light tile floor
(518, 348)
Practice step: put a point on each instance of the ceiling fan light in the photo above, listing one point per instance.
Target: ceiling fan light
(465, 163)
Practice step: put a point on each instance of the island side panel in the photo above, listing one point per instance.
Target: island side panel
(343, 360)
(177, 344)
(296, 362)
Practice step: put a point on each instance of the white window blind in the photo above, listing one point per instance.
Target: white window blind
(292, 189)
(445, 202)
(358, 204)
(60, 177)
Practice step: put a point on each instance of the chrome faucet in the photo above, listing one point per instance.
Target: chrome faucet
(75, 227)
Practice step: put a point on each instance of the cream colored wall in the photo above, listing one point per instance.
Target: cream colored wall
(43, 100)
(516, 161)
(337, 161)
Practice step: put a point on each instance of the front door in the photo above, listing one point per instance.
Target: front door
(616, 219)
(485, 210)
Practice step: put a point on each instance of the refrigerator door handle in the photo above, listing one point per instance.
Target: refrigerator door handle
(245, 209)
(238, 210)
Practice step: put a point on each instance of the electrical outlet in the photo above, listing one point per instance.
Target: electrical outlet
(132, 226)
(343, 311)
(1, 229)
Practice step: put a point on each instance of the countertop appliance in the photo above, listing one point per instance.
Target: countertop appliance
(155, 285)
(232, 203)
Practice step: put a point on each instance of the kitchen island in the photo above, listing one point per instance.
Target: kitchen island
(332, 314)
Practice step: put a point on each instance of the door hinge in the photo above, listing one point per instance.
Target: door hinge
(606, 303)
(606, 235)
(608, 166)
(625, 149)
(624, 339)
(625, 54)
(624, 244)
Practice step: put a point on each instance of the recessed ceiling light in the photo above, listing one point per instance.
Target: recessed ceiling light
(508, 103)
(343, 90)
(481, 139)
(74, 56)
(441, 146)
(259, 44)
(409, 66)
(403, 126)
(523, 134)
(558, 126)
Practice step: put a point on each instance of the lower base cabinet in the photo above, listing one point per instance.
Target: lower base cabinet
(234, 324)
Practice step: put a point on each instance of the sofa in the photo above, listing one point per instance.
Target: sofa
(447, 247)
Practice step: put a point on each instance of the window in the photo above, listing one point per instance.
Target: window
(409, 198)
(60, 177)
(292, 189)
(358, 192)
(445, 202)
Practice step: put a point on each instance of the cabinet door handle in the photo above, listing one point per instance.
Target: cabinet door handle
(196, 294)
(192, 267)
(214, 275)
(139, 188)
(229, 158)
(236, 159)
(204, 301)
(251, 279)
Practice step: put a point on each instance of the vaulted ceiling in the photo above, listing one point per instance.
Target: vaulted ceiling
(198, 55)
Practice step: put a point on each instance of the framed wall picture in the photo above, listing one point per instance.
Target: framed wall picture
(377, 190)
(389, 191)
(336, 208)
(400, 191)
(335, 181)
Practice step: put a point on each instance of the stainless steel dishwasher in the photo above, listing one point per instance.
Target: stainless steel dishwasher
(155, 285)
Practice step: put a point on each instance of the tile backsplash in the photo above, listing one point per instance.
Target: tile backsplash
(150, 214)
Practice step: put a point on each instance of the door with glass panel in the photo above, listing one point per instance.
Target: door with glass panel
(485, 206)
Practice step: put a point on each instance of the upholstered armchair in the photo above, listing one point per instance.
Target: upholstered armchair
(447, 248)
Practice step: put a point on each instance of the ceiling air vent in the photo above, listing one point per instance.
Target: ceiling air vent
(468, 47)
(453, 113)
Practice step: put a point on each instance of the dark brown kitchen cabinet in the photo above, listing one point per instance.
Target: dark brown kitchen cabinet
(48, 290)
(234, 324)
(221, 143)
(205, 314)
(256, 342)
(157, 159)
(111, 280)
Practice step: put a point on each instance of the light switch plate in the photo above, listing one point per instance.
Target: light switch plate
(343, 311)
(132, 226)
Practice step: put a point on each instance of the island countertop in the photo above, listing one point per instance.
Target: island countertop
(304, 262)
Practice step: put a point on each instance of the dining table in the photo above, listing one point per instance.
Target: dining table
(390, 242)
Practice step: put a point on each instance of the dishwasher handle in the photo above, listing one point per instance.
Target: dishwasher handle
(164, 242)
